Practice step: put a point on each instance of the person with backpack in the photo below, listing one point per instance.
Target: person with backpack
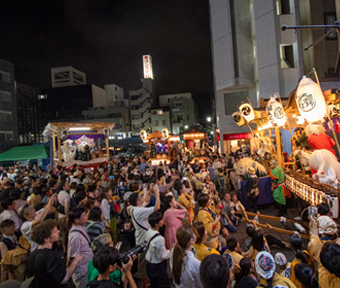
(79, 243)
(157, 254)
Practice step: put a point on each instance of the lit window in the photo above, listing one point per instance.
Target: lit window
(42, 96)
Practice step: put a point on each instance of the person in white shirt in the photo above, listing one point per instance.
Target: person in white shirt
(139, 215)
(183, 264)
(9, 213)
(29, 213)
(76, 177)
(156, 255)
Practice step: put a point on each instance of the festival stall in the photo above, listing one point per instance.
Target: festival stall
(78, 143)
(162, 146)
(196, 144)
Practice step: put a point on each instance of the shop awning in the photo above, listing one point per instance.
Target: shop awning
(25, 153)
(237, 136)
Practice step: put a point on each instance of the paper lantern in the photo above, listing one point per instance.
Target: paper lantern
(143, 135)
(165, 133)
(276, 113)
(247, 112)
(310, 100)
(238, 118)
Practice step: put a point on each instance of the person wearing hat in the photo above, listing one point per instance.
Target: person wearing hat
(265, 268)
(76, 176)
(283, 265)
(327, 229)
(252, 189)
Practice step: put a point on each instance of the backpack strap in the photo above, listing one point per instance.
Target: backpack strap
(78, 231)
(153, 237)
(134, 219)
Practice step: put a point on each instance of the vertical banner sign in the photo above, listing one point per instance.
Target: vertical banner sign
(147, 63)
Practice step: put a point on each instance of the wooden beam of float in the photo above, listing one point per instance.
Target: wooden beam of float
(266, 226)
(268, 217)
(279, 230)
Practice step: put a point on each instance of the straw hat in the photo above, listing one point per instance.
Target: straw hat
(251, 170)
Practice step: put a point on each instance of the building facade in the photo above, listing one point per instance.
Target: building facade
(67, 76)
(8, 107)
(141, 101)
(67, 103)
(252, 57)
(183, 111)
(30, 126)
(160, 118)
(115, 109)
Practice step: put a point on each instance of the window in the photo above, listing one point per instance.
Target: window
(42, 96)
(134, 97)
(287, 56)
(283, 7)
(164, 122)
(157, 112)
(6, 136)
(5, 96)
(232, 100)
(155, 123)
(4, 76)
(187, 117)
(115, 88)
(329, 19)
(136, 117)
(9, 136)
(169, 100)
(136, 126)
(6, 116)
(116, 97)
(134, 107)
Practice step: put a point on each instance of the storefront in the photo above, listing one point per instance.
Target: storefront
(235, 141)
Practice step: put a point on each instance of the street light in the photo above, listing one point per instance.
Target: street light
(209, 119)
(186, 127)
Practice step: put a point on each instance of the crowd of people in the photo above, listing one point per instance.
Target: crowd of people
(178, 224)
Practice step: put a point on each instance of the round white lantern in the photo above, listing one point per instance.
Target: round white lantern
(310, 100)
(143, 135)
(247, 112)
(238, 118)
(276, 113)
(165, 133)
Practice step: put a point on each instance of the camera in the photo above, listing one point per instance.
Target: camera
(124, 258)
(213, 215)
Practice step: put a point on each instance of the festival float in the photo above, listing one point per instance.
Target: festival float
(311, 175)
(162, 146)
(195, 144)
(78, 143)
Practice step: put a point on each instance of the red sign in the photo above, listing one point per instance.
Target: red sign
(237, 136)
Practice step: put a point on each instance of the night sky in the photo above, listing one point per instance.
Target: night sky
(107, 38)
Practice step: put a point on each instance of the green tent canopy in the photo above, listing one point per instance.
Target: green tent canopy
(25, 153)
